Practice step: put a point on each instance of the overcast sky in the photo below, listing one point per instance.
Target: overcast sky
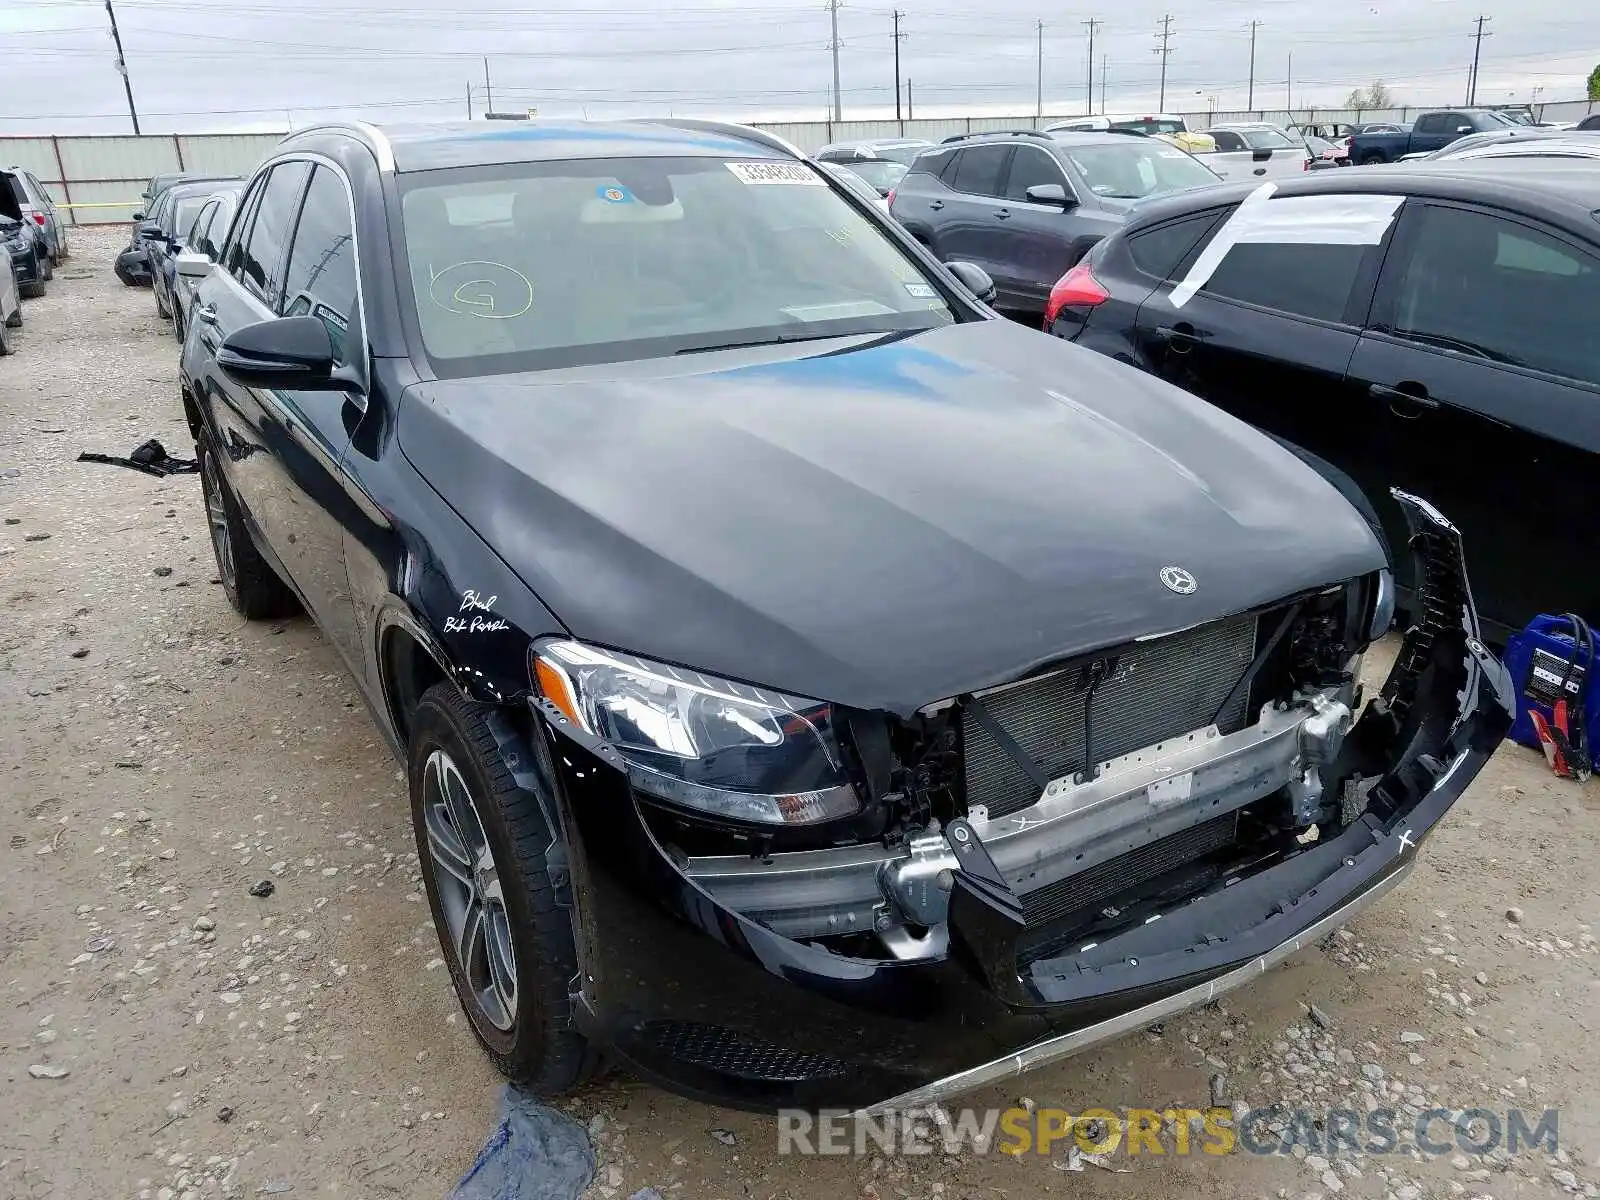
(239, 64)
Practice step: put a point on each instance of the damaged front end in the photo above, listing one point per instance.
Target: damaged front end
(1026, 871)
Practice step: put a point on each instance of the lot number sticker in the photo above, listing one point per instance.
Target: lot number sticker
(775, 172)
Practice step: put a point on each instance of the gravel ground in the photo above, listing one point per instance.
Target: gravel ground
(165, 1034)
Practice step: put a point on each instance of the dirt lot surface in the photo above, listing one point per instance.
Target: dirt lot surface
(164, 1033)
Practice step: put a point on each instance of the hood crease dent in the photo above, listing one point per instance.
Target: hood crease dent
(883, 527)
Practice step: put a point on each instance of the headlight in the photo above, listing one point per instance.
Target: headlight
(704, 743)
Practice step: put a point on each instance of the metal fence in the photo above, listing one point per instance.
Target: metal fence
(98, 179)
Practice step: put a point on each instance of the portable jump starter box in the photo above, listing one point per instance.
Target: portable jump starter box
(1553, 660)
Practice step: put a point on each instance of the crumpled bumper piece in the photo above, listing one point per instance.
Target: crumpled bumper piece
(133, 267)
(696, 994)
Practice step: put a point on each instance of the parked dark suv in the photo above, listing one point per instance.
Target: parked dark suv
(812, 688)
(1027, 205)
(1430, 327)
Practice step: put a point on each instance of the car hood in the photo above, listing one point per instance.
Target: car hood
(885, 525)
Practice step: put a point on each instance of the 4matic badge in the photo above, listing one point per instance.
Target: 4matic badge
(1178, 580)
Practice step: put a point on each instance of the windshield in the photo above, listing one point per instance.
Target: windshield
(1267, 139)
(1138, 169)
(539, 265)
(1504, 119)
(881, 175)
(1150, 125)
(904, 155)
(185, 211)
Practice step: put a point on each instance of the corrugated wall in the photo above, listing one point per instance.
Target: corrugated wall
(98, 179)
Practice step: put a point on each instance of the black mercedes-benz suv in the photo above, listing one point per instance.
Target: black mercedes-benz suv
(813, 688)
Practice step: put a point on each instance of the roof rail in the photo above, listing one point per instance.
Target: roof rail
(748, 132)
(961, 137)
(370, 134)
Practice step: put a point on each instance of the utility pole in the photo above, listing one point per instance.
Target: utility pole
(122, 66)
(1092, 23)
(1477, 50)
(1288, 87)
(488, 92)
(1038, 108)
(1164, 50)
(1105, 67)
(911, 112)
(469, 99)
(898, 38)
(1250, 104)
(833, 12)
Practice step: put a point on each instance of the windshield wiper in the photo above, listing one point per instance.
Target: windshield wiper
(776, 340)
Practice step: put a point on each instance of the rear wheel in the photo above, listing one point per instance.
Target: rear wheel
(253, 587)
(15, 319)
(32, 291)
(47, 268)
(1371, 158)
(5, 338)
(482, 841)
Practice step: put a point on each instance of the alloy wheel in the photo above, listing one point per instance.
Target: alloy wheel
(471, 896)
(217, 519)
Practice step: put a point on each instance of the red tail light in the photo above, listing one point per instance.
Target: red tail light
(1078, 288)
(889, 199)
(38, 218)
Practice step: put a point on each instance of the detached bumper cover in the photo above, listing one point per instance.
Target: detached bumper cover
(26, 265)
(133, 266)
(680, 978)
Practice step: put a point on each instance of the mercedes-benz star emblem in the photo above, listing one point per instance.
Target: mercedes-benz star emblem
(1178, 580)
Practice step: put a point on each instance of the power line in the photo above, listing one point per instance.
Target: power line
(1164, 50)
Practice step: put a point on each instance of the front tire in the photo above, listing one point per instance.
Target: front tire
(482, 840)
(161, 302)
(252, 586)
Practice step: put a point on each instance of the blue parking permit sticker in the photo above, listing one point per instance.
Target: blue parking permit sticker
(922, 291)
(612, 194)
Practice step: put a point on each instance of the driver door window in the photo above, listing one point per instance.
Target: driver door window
(1031, 166)
(261, 268)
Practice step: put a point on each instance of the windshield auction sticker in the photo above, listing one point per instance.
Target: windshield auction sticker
(775, 172)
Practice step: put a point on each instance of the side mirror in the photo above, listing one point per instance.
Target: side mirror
(191, 264)
(139, 216)
(1261, 156)
(1463, 128)
(148, 231)
(1049, 193)
(974, 278)
(285, 353)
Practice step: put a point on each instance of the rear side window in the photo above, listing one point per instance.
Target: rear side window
(1303, 279)
(17, 190)
(235, 255)
(979, 169)
(1159, 252)
(261, 269)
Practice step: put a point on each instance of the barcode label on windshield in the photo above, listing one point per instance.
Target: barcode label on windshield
(775, 172)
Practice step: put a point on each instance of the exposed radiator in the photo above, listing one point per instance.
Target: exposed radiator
(1158, 689)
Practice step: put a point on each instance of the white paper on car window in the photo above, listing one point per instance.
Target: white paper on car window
(1318, 220)
(775, 172)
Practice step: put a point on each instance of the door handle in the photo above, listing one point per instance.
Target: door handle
(1003, 214)
(1180, 338)
(206, 314)
(936, 205)
(1408, 401)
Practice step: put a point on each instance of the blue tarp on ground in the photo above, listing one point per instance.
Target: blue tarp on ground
(534, 1153)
